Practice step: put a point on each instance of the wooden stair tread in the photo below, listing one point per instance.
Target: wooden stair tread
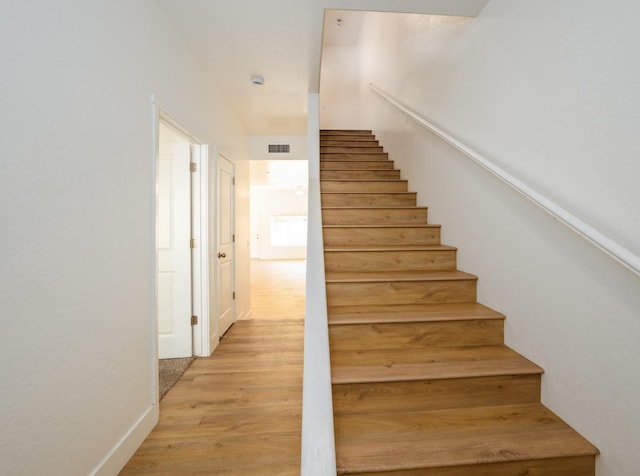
(355, 192)
(451, 438)
(364, 180)
(381, 276)
(423, 313)
(386, 225)
(433, 363)
(382, 248)
(356, 162)
(345, 131)
(380, 208)
(430, 354)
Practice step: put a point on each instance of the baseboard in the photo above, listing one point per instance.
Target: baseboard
(115, 460)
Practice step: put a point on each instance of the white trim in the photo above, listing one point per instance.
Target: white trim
(613, 249)
(155, 151)
(201, 252)
(122, 451)
(318, 443)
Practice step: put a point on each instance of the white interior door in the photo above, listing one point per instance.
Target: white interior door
(224, 252)
(173, 244)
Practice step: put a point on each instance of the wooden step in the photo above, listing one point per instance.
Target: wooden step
(374, 216)
(416, 312)
(390, 258)
(340, 164)
(359, 174)
(405, 335)
(438, 393)
(346, 142)
(399, 287)
(359, 149)
(352, 138)
(366, 380)
(353, 155)
(369, 199)
(376, 234)
(527, 437)
(340, 132)
(427, 363)
(366, 185)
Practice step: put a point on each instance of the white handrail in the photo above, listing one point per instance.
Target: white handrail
(616, 251)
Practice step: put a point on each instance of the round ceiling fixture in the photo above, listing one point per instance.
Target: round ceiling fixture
(257, 80)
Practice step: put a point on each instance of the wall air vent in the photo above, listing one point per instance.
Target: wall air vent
(279, 148)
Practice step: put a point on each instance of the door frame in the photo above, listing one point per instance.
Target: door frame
(200, 191)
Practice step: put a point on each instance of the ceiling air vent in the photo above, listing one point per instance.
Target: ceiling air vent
(279, 148)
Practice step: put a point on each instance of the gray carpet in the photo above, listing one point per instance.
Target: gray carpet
(170, 372)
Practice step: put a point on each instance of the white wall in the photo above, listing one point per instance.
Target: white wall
(76, 188)
(549, 91)
(340, 87)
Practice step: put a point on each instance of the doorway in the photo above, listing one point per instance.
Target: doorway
(278, 228)
(278, 209)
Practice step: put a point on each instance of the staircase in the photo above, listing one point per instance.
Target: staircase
(422, 381)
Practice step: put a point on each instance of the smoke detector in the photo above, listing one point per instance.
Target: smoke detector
(257, 80)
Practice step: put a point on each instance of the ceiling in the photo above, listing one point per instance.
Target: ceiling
(280, 40)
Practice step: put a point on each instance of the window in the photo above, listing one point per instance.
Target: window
(288, 230)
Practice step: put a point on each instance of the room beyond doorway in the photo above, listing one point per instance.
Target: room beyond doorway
(278, 209)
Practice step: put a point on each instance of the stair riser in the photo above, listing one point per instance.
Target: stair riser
(419, 260)
(374, 216)
(335, 142)
(381, 236)
(336, 165)
(359, 293)
(368, 199)
(419, 395)
(415, 334)
(360, 174)
(363, 186)
(573, 466)
(353, 155)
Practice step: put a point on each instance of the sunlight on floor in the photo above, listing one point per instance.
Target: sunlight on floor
(277, 289)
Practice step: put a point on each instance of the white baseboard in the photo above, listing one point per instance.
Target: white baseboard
(115, 460)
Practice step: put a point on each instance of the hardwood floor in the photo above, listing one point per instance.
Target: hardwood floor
(240, 411)
(277, 289)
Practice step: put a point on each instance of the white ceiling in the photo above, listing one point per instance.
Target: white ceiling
(282, 41)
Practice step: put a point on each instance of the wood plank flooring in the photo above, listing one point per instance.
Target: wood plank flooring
(277, 289)
(238, 412)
